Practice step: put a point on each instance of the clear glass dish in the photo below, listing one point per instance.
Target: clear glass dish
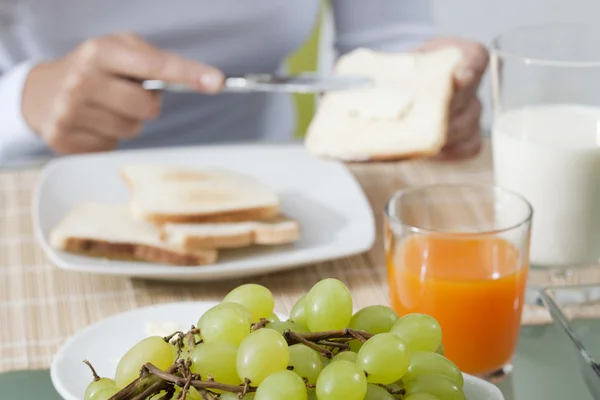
(575, 310)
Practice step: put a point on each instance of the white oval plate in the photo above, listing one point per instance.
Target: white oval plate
(310, 189)
(105, 342)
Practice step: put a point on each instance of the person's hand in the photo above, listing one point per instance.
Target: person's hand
(464, 135)
(89, 100)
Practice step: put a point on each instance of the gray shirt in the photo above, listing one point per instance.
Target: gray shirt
(234, 35)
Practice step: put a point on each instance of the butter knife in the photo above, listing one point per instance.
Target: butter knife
(300, 83)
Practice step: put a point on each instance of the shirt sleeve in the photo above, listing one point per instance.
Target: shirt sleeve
(383, 25)
(16, 137)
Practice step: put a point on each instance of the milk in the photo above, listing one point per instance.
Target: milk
(551, 156)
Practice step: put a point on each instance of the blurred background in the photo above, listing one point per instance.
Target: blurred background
(481, 20)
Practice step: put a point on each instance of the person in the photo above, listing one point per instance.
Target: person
(70, 69)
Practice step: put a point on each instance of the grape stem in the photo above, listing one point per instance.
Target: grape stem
(297, 338)
(153, 380)
(198, 384)
(168, 394)
(260, 324)
(328, 343)
(246, 387)
(357, 335)
(187, 374)
(145, 386)
(171, 336)
(94, 374)
(205, 394)
(328, 335)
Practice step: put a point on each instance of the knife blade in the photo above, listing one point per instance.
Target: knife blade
(300, 83)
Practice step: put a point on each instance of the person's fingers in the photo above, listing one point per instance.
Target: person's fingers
(124, 98)
(62, 135)
(469, 74)
(106, 123)
(476, 57)
(132, 59)
(88, 142)
(82, 142)
(463, 97)
(462, 150)
(466, 124)
(473, 67)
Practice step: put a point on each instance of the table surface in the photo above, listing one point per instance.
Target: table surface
(41, 305)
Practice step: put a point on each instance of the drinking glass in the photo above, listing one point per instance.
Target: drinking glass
(546, 135)
(460, 253)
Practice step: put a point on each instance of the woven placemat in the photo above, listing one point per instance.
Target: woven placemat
(41, 306)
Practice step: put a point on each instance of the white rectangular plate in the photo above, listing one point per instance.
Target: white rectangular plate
(335, 216)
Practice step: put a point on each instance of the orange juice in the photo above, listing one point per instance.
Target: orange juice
(474, 287)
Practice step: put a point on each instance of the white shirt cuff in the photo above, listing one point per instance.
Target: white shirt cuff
(16, 137)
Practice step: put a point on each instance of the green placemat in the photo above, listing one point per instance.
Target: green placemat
(545, 369)
(27, 385)
(546, 365)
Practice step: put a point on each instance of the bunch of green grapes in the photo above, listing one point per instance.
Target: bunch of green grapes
(398, 358)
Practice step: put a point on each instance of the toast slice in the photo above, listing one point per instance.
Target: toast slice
(164, 194)
(404, 114)
(277, 231)
(110, 231)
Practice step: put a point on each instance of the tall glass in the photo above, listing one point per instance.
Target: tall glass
(460, 253)
(546, 135)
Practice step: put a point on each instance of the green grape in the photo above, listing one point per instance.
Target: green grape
(375, 392)
(306, 362)
(396, 387)
(161, 395)
(281, 327)
(374, 319)
(217, 359)
(97, 386)
(152, 350)
(243, 309)
(157, 396)
(421, 396)
(262, 353)
(326, 361)
(312, 395)
(256, 298)
(440, 349)
(436, 385)
(355, 345)
(106, 393)
(328, 306)
(420, 332)
(184, 352)
(298, 314)
(341, 380)
(224, 323)
(192, 394)
(273, 317)
(345, 356)
(187, 347)
(234, 396)
(282, 385)
(426, 363)
(384, 357)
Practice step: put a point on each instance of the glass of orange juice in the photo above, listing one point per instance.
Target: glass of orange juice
(460, 253)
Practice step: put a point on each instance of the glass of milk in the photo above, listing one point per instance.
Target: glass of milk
(546, 135)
